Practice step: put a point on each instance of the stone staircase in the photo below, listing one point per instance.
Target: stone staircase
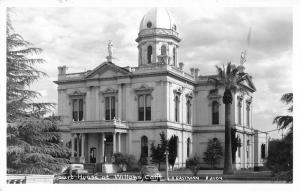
(109, 168)
(90, 167)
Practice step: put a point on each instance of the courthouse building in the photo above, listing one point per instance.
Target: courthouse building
(113, 109)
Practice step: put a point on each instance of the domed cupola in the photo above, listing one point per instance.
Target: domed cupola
(158, 38)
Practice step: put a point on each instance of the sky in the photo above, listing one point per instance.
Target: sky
(77, 37)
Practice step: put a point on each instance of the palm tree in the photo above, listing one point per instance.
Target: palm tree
(230, 78)
(285, 121)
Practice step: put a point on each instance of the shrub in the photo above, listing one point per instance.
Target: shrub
(193, 164)
(124, 161)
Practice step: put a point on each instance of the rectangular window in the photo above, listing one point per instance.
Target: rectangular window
(144, 108)
(77, 110)
(248, 115)
(239, 112)
(113, 108)
(148, 108)
(110, 108)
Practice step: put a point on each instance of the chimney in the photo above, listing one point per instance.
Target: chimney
(192, 71)
(181, 65)
(196, 72)
(62, 70)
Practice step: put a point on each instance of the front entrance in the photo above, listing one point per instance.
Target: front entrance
(93, 155)
(108, 149)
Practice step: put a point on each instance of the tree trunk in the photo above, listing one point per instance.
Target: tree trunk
(228, 148)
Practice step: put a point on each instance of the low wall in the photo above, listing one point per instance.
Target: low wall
(29, 179)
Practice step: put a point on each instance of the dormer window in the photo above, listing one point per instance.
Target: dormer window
(149, 24)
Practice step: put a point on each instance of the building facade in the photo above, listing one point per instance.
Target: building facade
(124, 109)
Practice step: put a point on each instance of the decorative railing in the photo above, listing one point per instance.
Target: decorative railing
(79, 75)
(161, 31)
(99, 124)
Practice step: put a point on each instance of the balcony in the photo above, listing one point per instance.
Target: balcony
(99, 126)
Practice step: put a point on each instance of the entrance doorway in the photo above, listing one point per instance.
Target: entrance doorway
(93, 155)
(108, 149)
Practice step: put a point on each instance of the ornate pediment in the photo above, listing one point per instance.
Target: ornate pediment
(248, 84)
(107, 70)
(77, 93)
(143, 89)
(109, 91)
(189, 95)
(178, 91)
(214, 94)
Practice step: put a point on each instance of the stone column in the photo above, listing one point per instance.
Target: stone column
(82, 158)
(114, 142)
(73, 143)
(119, 142)
(82, 144)
(103, 147)
(77, 155)
(120, 102)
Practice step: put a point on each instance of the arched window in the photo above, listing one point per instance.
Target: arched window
(188, 142)
(176, 109)
(144, 146)
(163, 50)
(149, 54)
(248, 114)
(239, 112)
(263, 151)
(215, 112)
(174, 56)
(188, 111)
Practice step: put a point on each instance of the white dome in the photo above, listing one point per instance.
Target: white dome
(158, 18)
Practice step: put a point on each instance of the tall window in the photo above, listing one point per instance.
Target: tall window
(149, 54)
(110, 108)
(176, 108)
(248, 114)
(144, 146)
(239, 112)
(263, 151)
(215, 112)
(247, 148)
(174, 56)
(188, 147)
(188, 111)
(239, 147)
(144, 108)
(77, 109)
(163, 50)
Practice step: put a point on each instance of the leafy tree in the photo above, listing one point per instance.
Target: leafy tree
(280, 156)
(172, 150)
(20, 61)
(34, 146)
(214, 152)
(193, 164)
(158, 153)
(230, 78)
(33, 141)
